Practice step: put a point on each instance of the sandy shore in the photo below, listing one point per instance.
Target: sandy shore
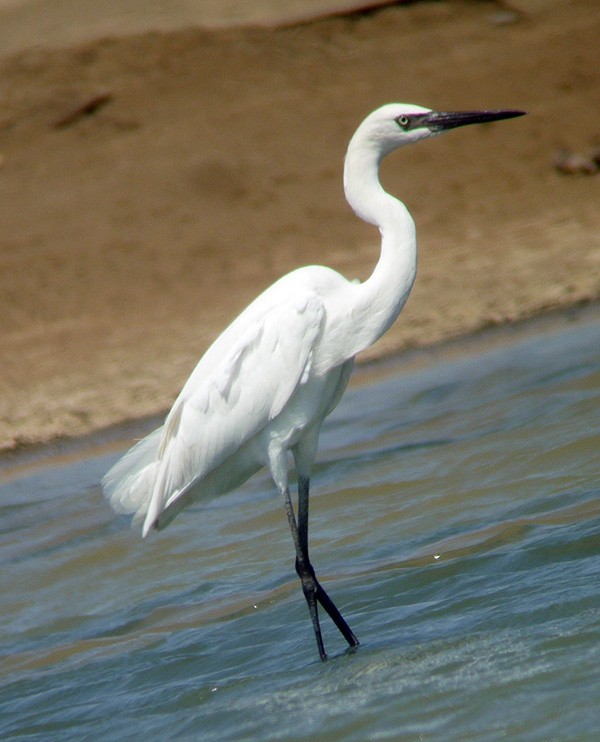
(153, 184)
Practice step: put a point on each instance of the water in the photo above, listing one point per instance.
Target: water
(455, 521)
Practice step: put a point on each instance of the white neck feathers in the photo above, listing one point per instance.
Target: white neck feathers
(382, 296)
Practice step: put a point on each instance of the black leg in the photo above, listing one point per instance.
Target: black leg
(308, 585)
(313, 592)
(322, 597)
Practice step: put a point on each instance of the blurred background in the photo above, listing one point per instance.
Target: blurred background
(161, 163)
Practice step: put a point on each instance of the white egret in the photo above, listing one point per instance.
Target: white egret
(264, 387)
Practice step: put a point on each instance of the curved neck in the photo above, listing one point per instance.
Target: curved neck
(381, 297)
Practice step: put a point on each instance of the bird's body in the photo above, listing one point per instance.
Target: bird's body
(258, 392)
(264, 387)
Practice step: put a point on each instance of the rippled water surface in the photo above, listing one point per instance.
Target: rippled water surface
(455, 521)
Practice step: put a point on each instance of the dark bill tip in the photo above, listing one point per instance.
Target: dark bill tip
(442, 120)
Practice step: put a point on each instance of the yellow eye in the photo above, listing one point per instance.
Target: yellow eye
(403, 121)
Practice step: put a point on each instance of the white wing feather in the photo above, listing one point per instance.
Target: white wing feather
(223, 405)
(128, 484)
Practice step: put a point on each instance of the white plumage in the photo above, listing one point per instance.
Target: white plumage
(266, 384)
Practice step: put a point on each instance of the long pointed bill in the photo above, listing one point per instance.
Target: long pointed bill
(442, 120)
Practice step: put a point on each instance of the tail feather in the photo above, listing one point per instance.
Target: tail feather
(129, 484)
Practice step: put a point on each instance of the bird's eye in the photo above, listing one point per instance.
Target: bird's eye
(403, 121)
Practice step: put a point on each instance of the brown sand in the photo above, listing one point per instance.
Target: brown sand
(151, 185)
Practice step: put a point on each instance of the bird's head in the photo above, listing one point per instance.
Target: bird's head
(388, 128)
(395, 124)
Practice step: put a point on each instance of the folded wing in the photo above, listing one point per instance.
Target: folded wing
(248, 387)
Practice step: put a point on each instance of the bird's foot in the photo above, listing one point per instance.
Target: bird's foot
(314, 593)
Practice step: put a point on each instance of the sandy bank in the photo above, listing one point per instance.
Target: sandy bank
(153, 184)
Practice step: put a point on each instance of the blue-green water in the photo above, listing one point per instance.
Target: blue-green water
(455, 521)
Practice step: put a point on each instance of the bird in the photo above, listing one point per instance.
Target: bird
(260, 393)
